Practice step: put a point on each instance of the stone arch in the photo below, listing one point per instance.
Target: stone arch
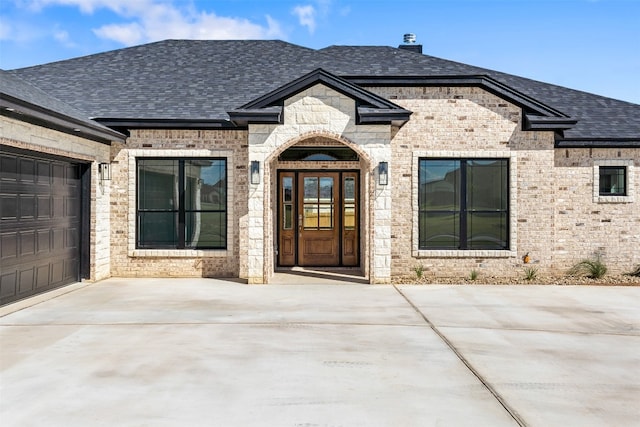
(320, 136)
(271, 162)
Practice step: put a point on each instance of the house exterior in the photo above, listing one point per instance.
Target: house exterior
(239, 158)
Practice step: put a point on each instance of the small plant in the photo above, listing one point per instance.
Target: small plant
(419, 269)
(473, 275)
(636, 272)
(592, 268)
(530, 273)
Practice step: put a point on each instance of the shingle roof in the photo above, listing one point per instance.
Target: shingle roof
(29, 100)
(198, 79)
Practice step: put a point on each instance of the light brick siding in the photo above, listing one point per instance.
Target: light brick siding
(586, 224)
(26, 136)
(128, 261)
(465, 123)
(555, 216)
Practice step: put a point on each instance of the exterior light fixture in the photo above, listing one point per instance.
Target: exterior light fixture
(104, 171)
(383, 173)
(255, 172)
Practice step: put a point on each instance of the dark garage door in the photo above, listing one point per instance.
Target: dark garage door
(40, 203)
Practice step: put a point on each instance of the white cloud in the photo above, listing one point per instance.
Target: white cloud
(62, 36)
(306, 16)
(153, 20)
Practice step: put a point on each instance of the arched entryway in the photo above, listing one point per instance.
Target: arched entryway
(319, 200)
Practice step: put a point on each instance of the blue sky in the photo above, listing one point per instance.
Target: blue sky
(590, 45)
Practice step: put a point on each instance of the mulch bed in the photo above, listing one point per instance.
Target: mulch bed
(608, 280)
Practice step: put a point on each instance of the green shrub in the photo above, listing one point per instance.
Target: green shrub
(419, 269)
(473, 275)
(592, 268)
(635, 272)
(530, 273)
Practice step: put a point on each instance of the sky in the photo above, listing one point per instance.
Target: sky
(589, 45)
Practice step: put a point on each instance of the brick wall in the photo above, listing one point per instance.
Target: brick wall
(587, 224)
(466, 123)
(127, 261)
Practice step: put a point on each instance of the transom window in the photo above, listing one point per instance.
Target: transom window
(314, 154)
(613, 180)
(181, 203)
(463, 204)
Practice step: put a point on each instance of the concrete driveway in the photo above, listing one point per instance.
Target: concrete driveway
(204, 352)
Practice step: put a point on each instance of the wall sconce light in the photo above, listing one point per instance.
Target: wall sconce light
(104, 171)
(383, 173)
(255, 172)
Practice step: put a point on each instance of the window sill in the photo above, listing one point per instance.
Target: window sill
(178, 253)
(447, 253)
(614, 199)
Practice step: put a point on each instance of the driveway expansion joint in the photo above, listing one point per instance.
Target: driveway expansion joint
(512, 412)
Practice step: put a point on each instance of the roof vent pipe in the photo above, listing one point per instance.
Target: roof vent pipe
(409, 38)
(410, 43)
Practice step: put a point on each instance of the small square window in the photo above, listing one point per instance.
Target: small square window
(613, 180)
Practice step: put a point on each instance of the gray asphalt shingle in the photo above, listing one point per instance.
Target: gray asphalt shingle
(203, 79)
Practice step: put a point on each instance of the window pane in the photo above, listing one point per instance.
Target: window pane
(288, 217)
(205, 184)
(349, 217)
(326, 216)
(326, 190)
(157, 229)
(287, 188)
(613, 180)
(487, 230)
(349, 189)
(206, 230)
(311, 190)
(310, 219)
(439, 184)
(439, 230)
(487, 185)
(157, 184)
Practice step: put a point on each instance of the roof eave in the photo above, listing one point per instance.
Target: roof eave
(535, 122)
(24, 111)
(396, 117)
(598, 143)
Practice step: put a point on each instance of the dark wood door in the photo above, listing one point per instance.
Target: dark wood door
(318, 231)
(318, 219)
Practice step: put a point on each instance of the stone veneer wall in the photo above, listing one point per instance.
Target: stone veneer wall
(464, 122)
(27, 136)
(587, 223)
(319, 111)
(127, 261)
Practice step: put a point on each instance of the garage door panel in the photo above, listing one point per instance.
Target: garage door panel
(27, 170)
(41, 223)
(9, 206)
(42, 275)
(44, 207)
(25, 280)
(8, 247)
(57, 272)
(8, 168)
(8, 281)
(27, 243)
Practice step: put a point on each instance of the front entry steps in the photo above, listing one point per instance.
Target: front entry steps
(324, 275)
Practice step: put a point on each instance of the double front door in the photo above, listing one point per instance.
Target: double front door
(318, 218)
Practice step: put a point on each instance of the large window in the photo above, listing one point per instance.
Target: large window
(463, 204)
(182, 203)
